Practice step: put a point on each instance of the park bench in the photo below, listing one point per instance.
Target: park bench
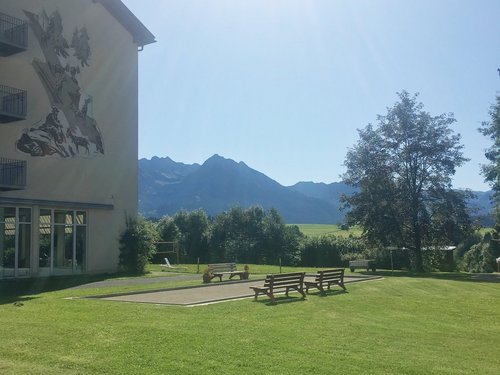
(326, 278)
(281, 281)
(362, 263)
(221, 269)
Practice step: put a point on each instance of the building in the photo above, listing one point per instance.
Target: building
(68, 134)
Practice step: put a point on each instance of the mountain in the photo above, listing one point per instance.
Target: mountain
(166, 187)
(327, 192)
(482, 208)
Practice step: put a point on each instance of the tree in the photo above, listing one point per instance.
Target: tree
(193, 227)
(402, 170)
(253, 235)
(137, 244)
(167, 229)
(491, 171)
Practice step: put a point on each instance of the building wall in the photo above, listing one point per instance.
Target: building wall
(105, 176)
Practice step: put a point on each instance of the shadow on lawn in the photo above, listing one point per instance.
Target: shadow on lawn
(454, 276)
(328, 293)
(281, 299)
(16, 301)
(278, 300)
(13, 290)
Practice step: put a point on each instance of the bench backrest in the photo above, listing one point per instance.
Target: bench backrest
(222, 267)
(330, 275)
(283, 280)
(361, 263)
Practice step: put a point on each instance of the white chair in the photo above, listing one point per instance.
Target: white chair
(169, 266)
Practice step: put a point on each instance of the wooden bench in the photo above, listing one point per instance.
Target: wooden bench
(362, 263)
(326, 278)
(221, 269)
(281, 281)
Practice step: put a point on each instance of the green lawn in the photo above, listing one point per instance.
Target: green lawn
(314, 230)
(438, 324)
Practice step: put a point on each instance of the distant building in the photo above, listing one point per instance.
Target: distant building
(68, 134)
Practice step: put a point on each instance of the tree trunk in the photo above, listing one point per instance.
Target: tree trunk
(417, 239)
(419, 264)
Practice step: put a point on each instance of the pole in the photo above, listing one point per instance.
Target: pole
(280, 264)
(198, 271)
(176, 245)
(392, 263)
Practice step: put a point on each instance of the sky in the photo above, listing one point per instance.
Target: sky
(283, 85)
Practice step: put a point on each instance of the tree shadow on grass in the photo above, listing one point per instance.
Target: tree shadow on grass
(452, 276)
(16, 301)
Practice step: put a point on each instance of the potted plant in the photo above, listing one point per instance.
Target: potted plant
(207, 275)
(246, 272)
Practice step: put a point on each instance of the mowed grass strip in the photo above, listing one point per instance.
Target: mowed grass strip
(316, 230)
(398, 325)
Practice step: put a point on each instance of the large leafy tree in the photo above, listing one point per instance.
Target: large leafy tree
(491, 171)
(402, 169)
(193, 227)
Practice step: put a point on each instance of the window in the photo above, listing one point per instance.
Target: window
(15, 242)
(63, 241)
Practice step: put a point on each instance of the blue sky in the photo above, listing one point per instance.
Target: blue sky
(283, 84)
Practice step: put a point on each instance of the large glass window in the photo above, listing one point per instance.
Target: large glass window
(81, 240)
(45, 238)
(24, 241)
(15, 241)
(63, 241)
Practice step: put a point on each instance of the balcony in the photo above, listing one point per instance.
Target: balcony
(13, 35)
(13, 104)
(12, 174)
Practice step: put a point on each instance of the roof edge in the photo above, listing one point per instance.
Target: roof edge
(140, 33)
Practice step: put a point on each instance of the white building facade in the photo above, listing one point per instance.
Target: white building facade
(68, 134)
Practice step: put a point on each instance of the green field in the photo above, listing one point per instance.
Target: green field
(436, 324)
(315, 230)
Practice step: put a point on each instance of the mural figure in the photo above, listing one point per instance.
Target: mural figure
(80, 43)
(68, 129)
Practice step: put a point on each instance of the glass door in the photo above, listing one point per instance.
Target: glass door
(15, 242)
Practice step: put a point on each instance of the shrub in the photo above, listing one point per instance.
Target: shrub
(479, 258)
(331, 251)
(137, 245)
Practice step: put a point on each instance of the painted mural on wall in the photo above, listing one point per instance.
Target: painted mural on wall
(68, 130)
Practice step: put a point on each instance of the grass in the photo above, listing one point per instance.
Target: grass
(316, 230)
(437, 324)
(259, 270)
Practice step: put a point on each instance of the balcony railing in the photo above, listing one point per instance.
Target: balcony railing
(12, 174)
(13, 35)
(13, 104)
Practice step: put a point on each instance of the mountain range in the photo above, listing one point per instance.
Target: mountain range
(166, 186)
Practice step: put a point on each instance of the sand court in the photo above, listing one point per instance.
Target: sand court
(207, 294)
